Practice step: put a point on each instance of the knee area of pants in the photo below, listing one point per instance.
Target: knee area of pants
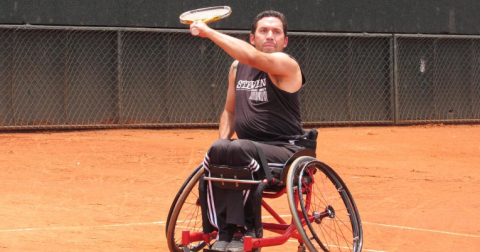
(238, 145)
(220, 143)
(218, 147)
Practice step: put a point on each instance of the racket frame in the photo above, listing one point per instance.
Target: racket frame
(206, 20)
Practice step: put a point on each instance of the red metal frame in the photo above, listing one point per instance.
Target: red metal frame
(285, 230)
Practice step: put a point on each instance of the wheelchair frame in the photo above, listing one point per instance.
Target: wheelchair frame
(329, 221)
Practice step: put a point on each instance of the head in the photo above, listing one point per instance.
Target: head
(269, 32)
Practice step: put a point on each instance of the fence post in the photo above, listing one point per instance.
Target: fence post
(120, 119)
(395, 94)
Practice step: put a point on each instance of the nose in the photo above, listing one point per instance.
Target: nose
(270, 34)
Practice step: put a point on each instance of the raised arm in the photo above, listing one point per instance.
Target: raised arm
(281, 67)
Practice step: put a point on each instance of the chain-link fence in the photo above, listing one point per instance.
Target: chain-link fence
(74, 77)
(349, 77)
(438, 78)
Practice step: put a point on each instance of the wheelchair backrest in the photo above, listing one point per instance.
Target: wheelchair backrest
(310, 141)
(312, 134)
(310, 144)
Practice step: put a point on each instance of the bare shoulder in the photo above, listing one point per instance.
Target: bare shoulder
(232, 73)
(233, 68)
(291, 78)
(234, 65)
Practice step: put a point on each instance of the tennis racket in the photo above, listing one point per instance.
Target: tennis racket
(207, 15)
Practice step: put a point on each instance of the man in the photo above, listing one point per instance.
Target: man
(262, 105)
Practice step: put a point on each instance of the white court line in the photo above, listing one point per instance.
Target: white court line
(92, 227)
(163, 222)
(83, 227)
(410, 228)
(421, 229)
(128, 224)
(363, 249)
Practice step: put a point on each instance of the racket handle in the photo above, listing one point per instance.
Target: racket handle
(195, 31)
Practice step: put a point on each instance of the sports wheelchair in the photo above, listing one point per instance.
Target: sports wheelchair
(323, 215)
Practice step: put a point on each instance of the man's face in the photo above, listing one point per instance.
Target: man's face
(269, 36)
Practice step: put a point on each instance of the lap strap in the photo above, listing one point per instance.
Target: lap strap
(264, 164)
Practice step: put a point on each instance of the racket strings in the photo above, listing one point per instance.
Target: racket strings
(204, 14)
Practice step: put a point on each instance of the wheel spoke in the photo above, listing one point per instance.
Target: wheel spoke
(186, 215)
(331, 219)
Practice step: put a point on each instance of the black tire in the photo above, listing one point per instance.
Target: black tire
(169, 216)
(186, 214)
(322, 207)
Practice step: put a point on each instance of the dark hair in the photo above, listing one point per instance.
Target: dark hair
(270, 13)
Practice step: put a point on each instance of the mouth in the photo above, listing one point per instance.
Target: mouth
(269, 45)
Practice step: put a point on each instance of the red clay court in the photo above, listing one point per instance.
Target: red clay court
(417, 187)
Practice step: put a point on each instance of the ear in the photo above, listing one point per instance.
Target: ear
(285, 42)
(252, 39)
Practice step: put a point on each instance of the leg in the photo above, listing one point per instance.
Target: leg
(235, 208)
(241, 153)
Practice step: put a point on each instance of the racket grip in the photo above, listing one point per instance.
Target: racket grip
(195, 31)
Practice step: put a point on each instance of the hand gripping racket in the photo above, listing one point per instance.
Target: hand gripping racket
(207, 15)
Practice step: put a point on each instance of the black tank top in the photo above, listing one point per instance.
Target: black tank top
(263, 112)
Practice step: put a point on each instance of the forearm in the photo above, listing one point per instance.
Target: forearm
(226, 128)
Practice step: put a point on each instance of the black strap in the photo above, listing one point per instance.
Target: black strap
(264, 164)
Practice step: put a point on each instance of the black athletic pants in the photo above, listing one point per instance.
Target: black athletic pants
(232, 208)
